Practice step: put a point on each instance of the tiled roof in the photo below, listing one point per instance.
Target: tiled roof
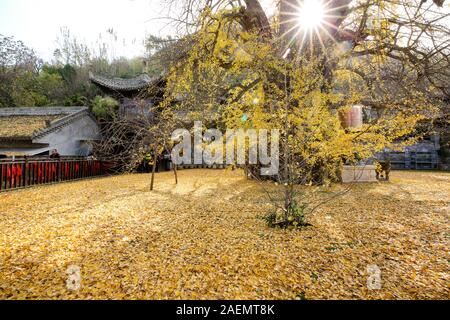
(118, 84)
(41, 111)
(26, 123)
(23, 127)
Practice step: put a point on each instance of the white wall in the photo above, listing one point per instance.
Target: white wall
(69, 139)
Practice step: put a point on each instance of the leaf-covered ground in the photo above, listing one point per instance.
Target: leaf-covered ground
(203, 239)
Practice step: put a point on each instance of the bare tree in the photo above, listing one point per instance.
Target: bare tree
(146, 136)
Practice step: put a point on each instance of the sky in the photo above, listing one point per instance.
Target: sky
(38, 22)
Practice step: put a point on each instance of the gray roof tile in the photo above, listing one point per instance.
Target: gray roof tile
(138, 83)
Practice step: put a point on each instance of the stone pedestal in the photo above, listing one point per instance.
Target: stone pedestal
(362, 173)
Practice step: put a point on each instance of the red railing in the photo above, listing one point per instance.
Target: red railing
(30, 172)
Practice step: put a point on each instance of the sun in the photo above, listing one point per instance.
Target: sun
(311, 14)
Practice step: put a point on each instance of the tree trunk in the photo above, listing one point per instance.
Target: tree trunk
(257, 19)
(176, 173)
(152, 184)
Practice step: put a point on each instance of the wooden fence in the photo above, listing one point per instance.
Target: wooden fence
(30, 172)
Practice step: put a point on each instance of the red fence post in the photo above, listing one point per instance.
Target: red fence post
(10, 173)
(25, 173)
(59, 170)
(1, 176)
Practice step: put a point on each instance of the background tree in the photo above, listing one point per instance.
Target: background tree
(27, 81)
(18, 66)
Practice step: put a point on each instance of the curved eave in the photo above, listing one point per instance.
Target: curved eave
(117, 84)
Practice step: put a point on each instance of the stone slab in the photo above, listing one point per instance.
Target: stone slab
(355, 174)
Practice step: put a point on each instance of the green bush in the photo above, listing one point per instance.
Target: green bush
(104, 107)
(76, 100)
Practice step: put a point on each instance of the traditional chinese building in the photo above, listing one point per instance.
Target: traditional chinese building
(38, 131)
(137, 95)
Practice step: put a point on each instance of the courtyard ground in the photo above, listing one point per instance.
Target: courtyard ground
(204, 239)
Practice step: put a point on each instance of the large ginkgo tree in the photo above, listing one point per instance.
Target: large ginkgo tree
(302, 69)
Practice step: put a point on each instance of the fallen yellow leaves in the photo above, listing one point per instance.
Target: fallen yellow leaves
(202, 239)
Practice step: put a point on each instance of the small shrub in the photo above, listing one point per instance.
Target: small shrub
(271, 219)
(295, 217)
